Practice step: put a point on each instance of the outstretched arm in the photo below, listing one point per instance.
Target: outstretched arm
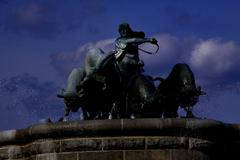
(121, 43)
(138, 40)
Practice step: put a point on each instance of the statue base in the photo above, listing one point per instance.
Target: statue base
(123, 139)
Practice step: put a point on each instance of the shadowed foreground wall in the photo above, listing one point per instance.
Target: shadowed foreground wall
(123, 139)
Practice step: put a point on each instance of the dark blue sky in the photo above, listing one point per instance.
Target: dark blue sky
(42, 40)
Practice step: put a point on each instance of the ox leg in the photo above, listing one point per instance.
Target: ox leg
(189, 113)
(66, 113)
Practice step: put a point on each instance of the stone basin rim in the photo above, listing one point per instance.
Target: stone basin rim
(115, 127)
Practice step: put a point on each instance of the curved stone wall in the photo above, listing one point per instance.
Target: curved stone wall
(123, 139)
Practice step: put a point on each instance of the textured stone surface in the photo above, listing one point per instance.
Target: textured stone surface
(11, 152)
(104, 144)
(167, 142)
(58, 156)
(147, 155)
(123, 139)
(104, 155)
(31, 158)
(47, 146)
(124, 143)
(208, 129)
(81, 144)
(4, 153)
(165, 155)
(187, 155)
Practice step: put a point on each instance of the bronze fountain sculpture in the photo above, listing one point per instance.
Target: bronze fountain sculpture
(113, 85)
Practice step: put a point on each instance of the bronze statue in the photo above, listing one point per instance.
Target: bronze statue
(113, 85)
(126, 50)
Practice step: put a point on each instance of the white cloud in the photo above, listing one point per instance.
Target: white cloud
(214, 57)
(30, 15)
(169, 47)
(169, 53)
(212, 60)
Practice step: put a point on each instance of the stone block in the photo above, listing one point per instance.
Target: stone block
(46, 146)
(179, 154)
(11, 152)
(201, 145)
(31, 158)
(4, 153)
(123, 143)
(166, 142)
(108, 155)
(58, 156)
(81, 144)
(147, 155)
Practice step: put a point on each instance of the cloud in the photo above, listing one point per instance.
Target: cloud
(217, 56)
(45, 19)
(169, 53)
(24, 97)
(212, 60)
(32, 19)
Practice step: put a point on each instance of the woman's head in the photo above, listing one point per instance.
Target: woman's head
(126, 31)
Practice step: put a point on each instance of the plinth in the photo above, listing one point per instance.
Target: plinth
(123, 139)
